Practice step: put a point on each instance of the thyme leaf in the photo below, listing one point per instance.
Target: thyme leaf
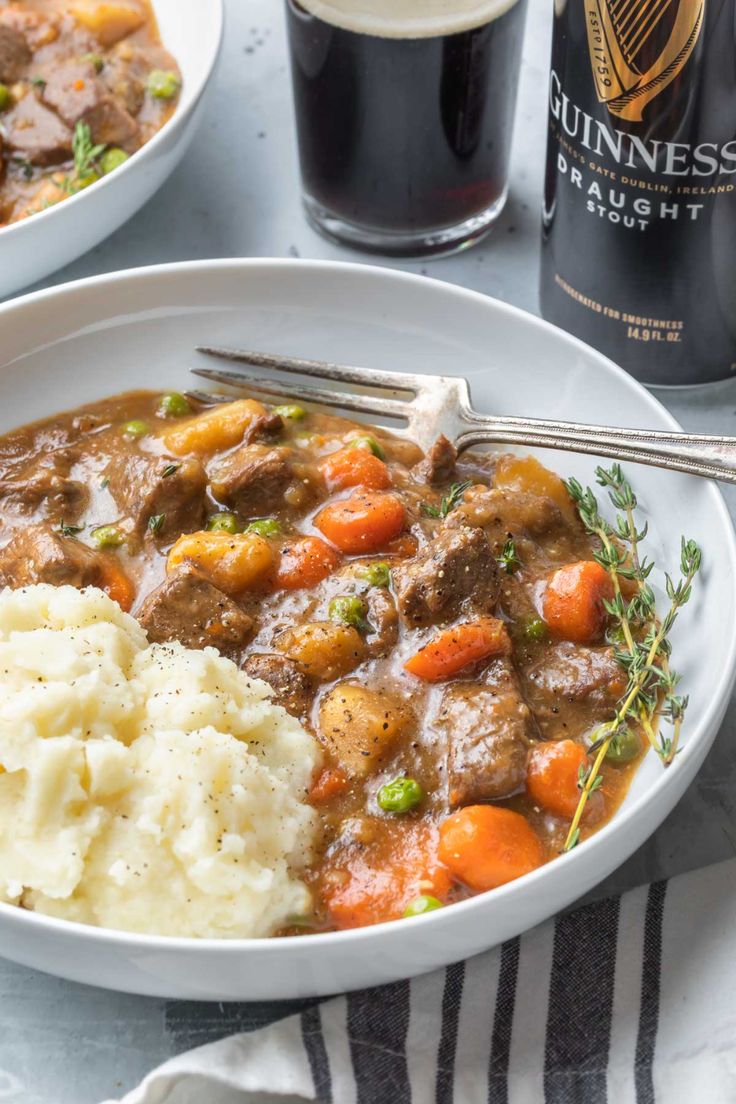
(69, 530)
(509, 561)
(449, 501)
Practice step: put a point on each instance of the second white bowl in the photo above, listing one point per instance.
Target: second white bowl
(32, 249)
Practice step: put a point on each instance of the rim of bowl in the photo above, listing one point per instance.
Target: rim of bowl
(321, 942)
(217, 9)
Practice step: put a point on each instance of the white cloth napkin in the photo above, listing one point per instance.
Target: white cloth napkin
(630, 1000)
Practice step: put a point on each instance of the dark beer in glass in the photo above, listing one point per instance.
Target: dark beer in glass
(404, 113)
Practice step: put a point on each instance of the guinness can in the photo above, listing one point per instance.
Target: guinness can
(639, 241)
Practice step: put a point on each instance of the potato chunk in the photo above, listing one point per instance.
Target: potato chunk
(325, 650)
(108, 22)
(216, 430)
(233, 562)
(360, 726)
(525, 474)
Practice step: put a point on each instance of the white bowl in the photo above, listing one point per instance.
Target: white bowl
(33, 248)
(86, 340)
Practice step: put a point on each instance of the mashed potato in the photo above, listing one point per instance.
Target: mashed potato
(152, 789)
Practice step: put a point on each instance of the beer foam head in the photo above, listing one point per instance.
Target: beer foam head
(407, 18)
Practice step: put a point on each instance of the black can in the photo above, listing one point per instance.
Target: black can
(639, 237)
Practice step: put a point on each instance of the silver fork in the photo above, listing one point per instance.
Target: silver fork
(427, 406)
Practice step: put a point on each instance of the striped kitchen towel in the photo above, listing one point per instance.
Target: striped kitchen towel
(630, 1000)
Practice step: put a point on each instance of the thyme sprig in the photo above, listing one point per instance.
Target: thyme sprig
(449, 501)
(641, 642)
(85, 154)
(84, 150)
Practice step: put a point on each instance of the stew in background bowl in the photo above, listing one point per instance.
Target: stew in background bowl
(83, 85)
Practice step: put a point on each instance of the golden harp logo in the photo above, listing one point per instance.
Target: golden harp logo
(637, 48)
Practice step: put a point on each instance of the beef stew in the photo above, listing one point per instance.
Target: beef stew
(437, 622)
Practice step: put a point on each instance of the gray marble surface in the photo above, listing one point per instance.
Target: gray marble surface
(236, 194)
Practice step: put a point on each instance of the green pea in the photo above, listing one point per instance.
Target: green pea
(399, 796)
(623, 747)
(173, 405)
(369, 443)
(264, 527)
(291, 411)
(163, 84)
(96, 60)
(5, 97)
(112, 159)
(376, 574)
(535, 630)
(107, 536)
(79, 183)
(223, 523)
(347, 610)
(136, 428)
(422, 904)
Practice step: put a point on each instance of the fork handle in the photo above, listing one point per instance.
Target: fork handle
(696, 454)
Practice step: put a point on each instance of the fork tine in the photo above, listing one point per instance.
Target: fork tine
(364, 404)
(368, 377)
(208, 398)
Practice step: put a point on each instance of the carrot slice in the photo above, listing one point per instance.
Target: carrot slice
(331, 782)
(304, 563)
(552, 776)
(454, 649)
(117, 585)
(485, 846)
(573, 601)
(377, 881)
(365, 522)
(355, 467)
(404, 546)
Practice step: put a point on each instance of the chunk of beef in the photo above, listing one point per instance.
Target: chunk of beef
(33, 132)
(253, 478)
(111, 124)
(38, 28)
(438, 465)
(501, 512)
(71, 89)
(188, 608)
(125, 81)
(159, 486)
(78, 95)
(569, 672)
(292, 686)
(268, 426)
(15, 54)
(457, 569)
(41, 554)
(46, 481)
(383, 619)
(487, 727)
(570, 686)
